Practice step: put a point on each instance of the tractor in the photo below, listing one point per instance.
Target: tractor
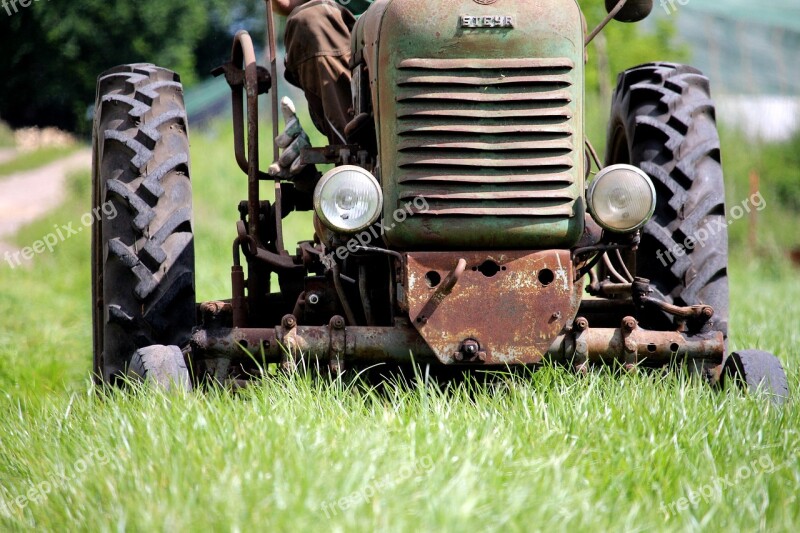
(466, 223)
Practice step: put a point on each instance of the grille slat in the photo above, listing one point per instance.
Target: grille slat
(546, 129)
(559, 211)
(485, 178)
(497, 133)
(410, 111)
(429, 143)
(470, 160)
(492, 195)
(545, 80)
(471, 63)
(450, 94)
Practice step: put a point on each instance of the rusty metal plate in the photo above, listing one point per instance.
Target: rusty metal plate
(513, 304)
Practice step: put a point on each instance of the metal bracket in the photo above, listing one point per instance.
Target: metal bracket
(287, 336)
(630, 346)
(580, 355)
(337, 345)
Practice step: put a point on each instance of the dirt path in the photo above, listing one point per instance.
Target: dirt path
(26, 196)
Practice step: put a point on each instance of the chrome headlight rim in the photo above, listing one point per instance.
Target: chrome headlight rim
(604, 173)
(325, 180)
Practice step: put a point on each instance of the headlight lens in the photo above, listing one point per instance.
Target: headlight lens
(621, 198)
(348, 199)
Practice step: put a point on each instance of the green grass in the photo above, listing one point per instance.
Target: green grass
(549, 451)
(544, 452)
(38, 158)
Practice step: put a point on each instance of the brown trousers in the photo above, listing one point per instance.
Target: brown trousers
(317, 44)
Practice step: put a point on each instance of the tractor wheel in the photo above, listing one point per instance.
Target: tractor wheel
(663, 121)
(755, 370)
(163, 366)
(142, 247)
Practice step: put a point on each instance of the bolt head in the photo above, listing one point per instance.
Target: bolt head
(337, 322)
(629, 323)
(581, 323)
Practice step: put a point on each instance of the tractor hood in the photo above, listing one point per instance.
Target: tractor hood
(479, 111)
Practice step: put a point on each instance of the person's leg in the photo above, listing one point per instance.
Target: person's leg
(317, 60)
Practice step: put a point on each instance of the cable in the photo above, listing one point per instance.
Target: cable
(612, 270)
(624, 266)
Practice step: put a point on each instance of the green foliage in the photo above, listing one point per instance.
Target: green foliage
(53, 52)
(777, 166)
(621, 46)
(6, 136)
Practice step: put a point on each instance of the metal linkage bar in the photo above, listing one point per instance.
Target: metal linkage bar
(628, 344)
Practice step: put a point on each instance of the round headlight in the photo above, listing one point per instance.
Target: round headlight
(621, 198)
(348, 199)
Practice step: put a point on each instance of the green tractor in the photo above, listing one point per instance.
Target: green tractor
(456, 228)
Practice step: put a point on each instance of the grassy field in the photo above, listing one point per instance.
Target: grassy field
(544, 452)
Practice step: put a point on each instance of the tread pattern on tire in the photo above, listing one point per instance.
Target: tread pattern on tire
(148, 249)
(667, 116)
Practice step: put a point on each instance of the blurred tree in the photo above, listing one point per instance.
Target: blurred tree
(622, 46)
(53, 52)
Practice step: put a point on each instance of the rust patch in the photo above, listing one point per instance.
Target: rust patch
(513, 304)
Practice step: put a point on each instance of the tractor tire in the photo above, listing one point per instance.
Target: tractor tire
(755, 370)
(163, 366)
(663, 121)
(143, 255)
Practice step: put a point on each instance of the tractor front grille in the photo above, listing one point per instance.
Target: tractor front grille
(487, 137)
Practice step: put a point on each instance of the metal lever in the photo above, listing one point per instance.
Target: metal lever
(441, 292)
